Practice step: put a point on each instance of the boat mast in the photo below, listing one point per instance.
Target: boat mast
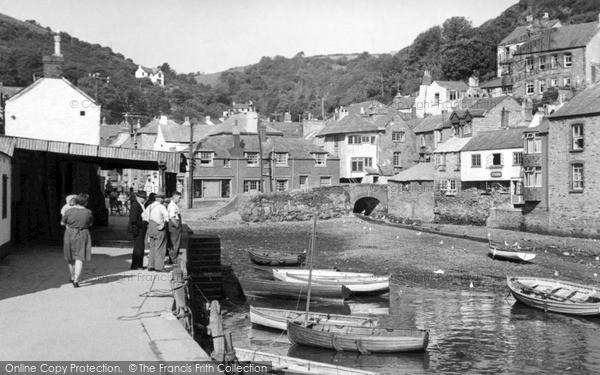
(311, 252)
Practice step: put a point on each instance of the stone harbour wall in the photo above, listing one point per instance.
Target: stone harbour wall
(300, 205)
(468, 206)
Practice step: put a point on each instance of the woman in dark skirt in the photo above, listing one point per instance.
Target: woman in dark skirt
(77, 242)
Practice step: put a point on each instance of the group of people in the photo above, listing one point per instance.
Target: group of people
(150, 220)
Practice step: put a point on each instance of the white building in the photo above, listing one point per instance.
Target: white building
(492, 159)
(437, 96)
(53, 109)
(5, 197)
(156, 75)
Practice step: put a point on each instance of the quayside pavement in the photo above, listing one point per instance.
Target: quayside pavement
(116, 315)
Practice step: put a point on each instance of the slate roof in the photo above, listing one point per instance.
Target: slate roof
(564, 37)
(297, 148)
(150, 70)
(355, 107)
(498, 82)
(429, 124)
(479, 107)
(585, 103)
(452, 145)
(227, 126)
(419, 172)
(9, 91)
(289, 129)
(403, 102)
(453, 85)
(357, 123)
(176, 133)
(496, 140)
(544, 127)
(40, 80)
(521, 33)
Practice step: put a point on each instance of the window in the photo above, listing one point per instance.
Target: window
(281, 159)
(453, 95)
(517, 158)
(320, 160)
(397, 159)
(359, 164)
(451, 185)
(577, 177)
(554, 62)
(577, 137)
(554, 82)
(226, 163)
(567, 60)
(4, 196)
(476, 161)
(533, 176)
(398, 137)
(441, 161)
(252, 158)
(541, 86)
(358, 139)
(457, 166)
(81, 113)
(206, 158)
(567, 82)
(436, 100)
(542, 62)
(496, 160)
(437, 137)
(529, 63)
(325, 181)
(303, 182)
(529, 87)
(251, 186)
(281, 185)
(533, 143)
(422, 137)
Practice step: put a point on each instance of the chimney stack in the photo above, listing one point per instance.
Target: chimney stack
(426, 78)
(504, 118)
(53, 64)
(527, 108)
(262, 132)
(163, 120)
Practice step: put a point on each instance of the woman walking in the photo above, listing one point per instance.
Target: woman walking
(77, 241)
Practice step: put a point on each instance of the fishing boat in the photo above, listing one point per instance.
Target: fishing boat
(358, 339)
(284, 274)
(276, 288)
(359, 285)
(285, 364)
(516, 254)
(555, 295)
(278, 318)
(276, 258)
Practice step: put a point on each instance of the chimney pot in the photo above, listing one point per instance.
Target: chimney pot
(163, 120)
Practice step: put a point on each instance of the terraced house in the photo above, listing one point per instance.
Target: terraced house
(372, 145)
(234, 159)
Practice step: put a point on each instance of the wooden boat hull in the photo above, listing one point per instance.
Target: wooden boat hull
(515, 256)
(296, 365)
(555, 295)
(278, 318)
(282, 274)
(268, 288)
(361, 285)
(276, 258)
(358, 339)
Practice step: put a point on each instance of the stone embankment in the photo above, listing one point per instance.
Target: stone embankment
(300, 205)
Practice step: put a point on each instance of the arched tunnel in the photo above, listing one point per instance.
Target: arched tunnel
(365, 205)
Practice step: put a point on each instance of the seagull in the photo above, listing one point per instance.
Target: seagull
(441, 242)
(555, 273)
(439, 272)
(419, 233)
(471, 285)
(506, 244)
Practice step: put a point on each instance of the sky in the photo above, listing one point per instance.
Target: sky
(212, 36)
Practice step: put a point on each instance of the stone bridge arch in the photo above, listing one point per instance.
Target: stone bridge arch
(364, 198)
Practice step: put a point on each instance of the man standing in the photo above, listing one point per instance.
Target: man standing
(174, 225)
(137, 227)
(157, 219)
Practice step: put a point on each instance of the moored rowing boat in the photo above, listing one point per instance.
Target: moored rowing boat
(278, 318)
(276, 258)
(327, 293)
(555, 295)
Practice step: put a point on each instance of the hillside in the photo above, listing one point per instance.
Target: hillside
(453, 51)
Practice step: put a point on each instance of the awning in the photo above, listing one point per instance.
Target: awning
(106, 156)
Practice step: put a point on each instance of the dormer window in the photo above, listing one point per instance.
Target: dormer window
(281, 159)
(320, 160)
(206, 159)
(252, 158)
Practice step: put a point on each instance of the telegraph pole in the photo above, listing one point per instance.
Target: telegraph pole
(190, 189)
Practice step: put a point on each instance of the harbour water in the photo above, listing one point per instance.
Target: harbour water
(470, 332)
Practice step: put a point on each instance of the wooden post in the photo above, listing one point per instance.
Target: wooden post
(190, 188)
(310, 264)
(215, 327)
